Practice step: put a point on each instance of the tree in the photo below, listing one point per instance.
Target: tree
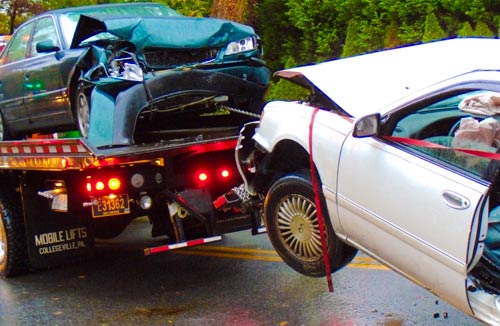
(19, 10)
(235, 10)
(391, 39)
(193, 8)
(285, 89)
(280, 37)
(466, 30)
(352, 45)
(482, 30)
(57, 4)
(432, 29)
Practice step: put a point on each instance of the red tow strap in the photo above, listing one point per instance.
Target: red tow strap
(426, 144)
(317, 201)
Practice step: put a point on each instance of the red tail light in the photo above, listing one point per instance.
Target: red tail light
(225, 173)
(109, 184)
(202, 176)
(114, 184)
(99, 186)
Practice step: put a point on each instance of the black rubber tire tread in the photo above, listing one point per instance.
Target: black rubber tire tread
(16, 260)
(340, 254)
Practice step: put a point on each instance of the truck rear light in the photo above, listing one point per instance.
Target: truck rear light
(111, 184)
(225, 173)
(99, 186)
(114, 184)
(214, 176)
(202, 176)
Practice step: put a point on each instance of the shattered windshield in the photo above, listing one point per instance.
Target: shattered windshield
(69, 20)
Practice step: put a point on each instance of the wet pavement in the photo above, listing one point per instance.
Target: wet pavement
(238, 281)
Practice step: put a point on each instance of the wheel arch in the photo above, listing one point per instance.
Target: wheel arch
(72, 86)
(287, 156)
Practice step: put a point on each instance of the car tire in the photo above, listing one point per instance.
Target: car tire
(82, 108)
(292, 226)
(4, 133)
(13, 244)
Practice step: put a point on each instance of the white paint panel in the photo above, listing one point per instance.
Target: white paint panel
(367, 83)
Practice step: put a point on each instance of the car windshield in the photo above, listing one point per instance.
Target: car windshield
(69, 20)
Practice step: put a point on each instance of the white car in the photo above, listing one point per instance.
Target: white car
(404, 144)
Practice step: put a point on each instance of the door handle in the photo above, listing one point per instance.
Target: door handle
(455, 200)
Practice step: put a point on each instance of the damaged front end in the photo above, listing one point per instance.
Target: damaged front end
(483, 282)
(202, 80)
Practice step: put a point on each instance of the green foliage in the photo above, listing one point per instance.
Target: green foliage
(286, 90)
(432, 29)
(277, 32)
(4, 24)
(352, 44)
(57, 4)
(193, 8)
(466, 30)
(17, 11)
(316, 30)
(391, 39)
(482, 30)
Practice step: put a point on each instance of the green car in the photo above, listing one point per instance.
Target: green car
(130, 73)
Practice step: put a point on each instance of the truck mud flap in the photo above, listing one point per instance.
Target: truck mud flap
(54, 237)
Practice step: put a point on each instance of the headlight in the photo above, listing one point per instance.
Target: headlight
(243, 45)
(133, 72)
(125, 66)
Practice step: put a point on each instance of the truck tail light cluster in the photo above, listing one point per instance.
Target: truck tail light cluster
(219, 175)
(103, 185)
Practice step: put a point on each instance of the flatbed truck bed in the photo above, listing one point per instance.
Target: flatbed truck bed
(59, 195)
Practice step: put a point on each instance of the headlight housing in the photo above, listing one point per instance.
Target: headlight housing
(125, 66)
(243, 45)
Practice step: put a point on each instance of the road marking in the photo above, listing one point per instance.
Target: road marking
(265, 255)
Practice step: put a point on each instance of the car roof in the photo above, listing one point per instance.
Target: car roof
(367, 83)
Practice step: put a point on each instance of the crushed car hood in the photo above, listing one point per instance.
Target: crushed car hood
(368, 83)
(171, 32)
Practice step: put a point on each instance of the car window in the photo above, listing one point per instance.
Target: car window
(45, 30)
(461, 130)
(18, 44)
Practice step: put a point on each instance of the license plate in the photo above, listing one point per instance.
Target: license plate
(108, 206)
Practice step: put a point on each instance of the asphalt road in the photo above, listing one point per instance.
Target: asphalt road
(238, 281)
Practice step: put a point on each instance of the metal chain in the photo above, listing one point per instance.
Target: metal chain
(241, 192)
(251, 114)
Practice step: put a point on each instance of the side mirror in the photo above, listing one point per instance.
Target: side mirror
(46, 47)
(366, 126)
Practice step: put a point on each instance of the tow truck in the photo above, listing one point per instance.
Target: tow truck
(59, 195)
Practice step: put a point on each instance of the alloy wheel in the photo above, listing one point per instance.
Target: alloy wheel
(299, 228)
(83, 114)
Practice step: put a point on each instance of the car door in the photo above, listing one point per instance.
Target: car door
(45, 97)
(416, 207)
(12, 82)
